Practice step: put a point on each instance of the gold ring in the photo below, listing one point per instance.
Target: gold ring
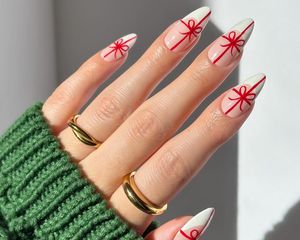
(82, 135)
(138, 199)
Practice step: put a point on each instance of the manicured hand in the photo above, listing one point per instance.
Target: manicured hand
(137, 132)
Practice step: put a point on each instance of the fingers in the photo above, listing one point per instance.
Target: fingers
(125, 94)
(179, 159)
(74, 92)
(155, 121)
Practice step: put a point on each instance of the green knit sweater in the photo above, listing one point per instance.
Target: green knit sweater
(43, 194)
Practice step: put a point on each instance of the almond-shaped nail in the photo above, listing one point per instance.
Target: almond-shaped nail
(118, 48)
(196, 226)
(240, 98)
(187, 29)
(227, 47)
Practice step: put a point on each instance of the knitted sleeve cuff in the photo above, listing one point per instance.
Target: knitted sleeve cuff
(42, 193)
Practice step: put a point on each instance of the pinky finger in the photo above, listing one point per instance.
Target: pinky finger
(75, 91)
(182, 228)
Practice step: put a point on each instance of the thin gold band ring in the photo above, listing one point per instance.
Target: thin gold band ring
(138, 199)
(81, 134)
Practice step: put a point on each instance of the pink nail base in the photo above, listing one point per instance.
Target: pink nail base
(226, 49)
(183, 34)
(185, 31)
(119, 48)
(237, 101)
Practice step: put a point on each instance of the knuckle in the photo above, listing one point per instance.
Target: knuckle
(87, 69)
(62, 95)
(215, 128)
(171, 166)
(158, 54)
(109, 107)
(195, 75)
(146, 125)
(200, 75)
(154, 58)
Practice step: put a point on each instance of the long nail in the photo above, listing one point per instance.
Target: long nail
(196, 226)
(240, 98)
(118, 48)
(227, 47)
(187, 29)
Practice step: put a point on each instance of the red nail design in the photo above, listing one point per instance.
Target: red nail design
(196, 226)
(118, 48)
(186, 30)
(240, 98)
(229, 45)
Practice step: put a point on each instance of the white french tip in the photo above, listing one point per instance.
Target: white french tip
(205, 217)
(198, 223)
(199, 14)
(245, 26)
(257, 80)
(131, 38)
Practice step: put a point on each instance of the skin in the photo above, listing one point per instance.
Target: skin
(137, 131)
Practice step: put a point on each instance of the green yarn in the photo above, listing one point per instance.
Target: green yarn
(42, 193)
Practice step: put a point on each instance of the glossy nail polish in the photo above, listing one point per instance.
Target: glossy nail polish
(240, 98)
(119, 48)
(227, 47)
(187, 29)
(196, 226)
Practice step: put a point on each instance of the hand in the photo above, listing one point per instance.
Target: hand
(136, 132)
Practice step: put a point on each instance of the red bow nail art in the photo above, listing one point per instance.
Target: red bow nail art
(244, 96)
(193, 29)
(120, 46)
(233, 42)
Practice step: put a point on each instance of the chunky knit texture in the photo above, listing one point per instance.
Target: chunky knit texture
(42, 193)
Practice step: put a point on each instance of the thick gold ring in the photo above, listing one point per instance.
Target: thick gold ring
(138, 199)
(82, 135)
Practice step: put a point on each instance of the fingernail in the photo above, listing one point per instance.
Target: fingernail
(240, 98)
(187, 29)
(118, 48)
(227, 47)
(196, 226)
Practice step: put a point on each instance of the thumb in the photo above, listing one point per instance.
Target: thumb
(169, 229)
(183, 228)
